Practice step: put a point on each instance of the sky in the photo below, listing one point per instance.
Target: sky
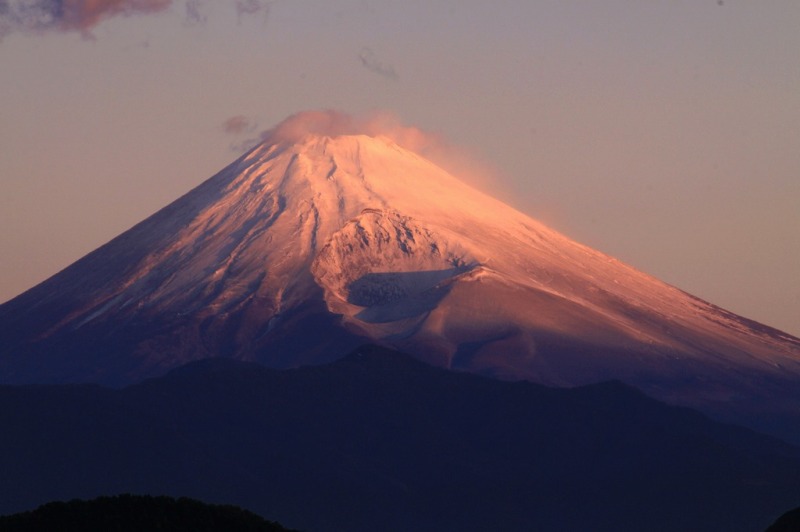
(664, 133)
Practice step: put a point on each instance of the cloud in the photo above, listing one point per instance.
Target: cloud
(194, 12)
(39, 16)
(327, 123)
(69, 15)
(239, 124)
(433, 146)
(371, 63)
(333, 123)
(253, 7)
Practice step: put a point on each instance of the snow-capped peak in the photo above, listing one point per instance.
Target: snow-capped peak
(323, 237)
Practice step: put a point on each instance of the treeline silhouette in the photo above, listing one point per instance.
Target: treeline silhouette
(788, 522)
(134, 513)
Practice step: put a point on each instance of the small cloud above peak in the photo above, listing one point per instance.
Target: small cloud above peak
(239, 127)
(239, 124)
(312, 123)
(331, 123)
(385, 124)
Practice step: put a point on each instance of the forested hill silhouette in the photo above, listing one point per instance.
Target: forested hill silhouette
(137, 513)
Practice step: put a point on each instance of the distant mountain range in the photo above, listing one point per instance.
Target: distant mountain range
(380, 441)
(312, 244)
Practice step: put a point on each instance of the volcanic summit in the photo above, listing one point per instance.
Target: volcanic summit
(311, 244)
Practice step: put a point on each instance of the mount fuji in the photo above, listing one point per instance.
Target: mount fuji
(317, 241)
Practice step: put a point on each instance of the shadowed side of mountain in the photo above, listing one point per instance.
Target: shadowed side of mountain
(148, 346)
(380, 441)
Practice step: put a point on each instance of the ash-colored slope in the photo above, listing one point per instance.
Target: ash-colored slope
(300, 250)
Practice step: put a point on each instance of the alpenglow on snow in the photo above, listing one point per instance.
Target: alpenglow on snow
(316, 242)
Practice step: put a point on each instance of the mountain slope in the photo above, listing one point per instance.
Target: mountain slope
(380, 441)
(303, 248)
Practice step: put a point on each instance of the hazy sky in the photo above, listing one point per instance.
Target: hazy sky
(664, 132)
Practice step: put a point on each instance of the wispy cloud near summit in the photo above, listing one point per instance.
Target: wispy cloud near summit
(383, 123)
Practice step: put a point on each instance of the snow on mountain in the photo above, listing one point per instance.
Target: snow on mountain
(305, 247)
